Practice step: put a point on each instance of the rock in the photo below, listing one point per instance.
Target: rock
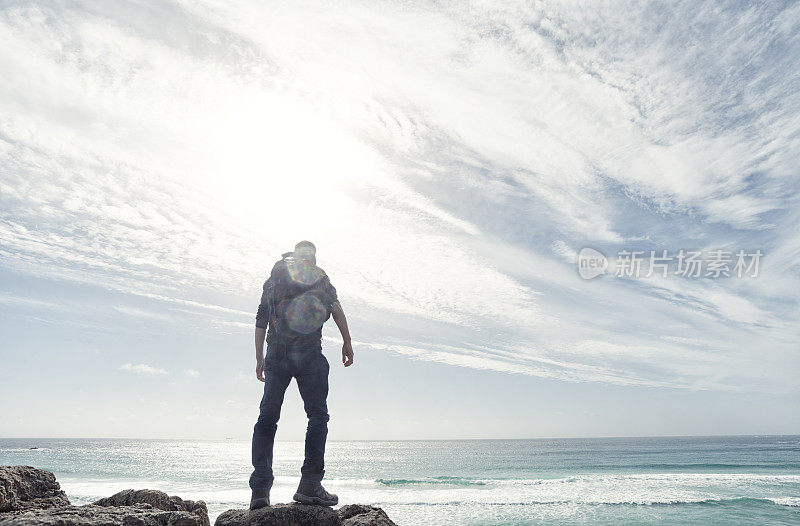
(158, 500)
(23, 487)
(92, 515)
(32, 497)
(281, 515)
(360, 515)
(304, 515)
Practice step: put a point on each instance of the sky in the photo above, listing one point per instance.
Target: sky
(449, 160)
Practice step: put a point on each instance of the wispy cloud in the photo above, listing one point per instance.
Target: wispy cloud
(20, 301)
(142, 368)
(450, 161)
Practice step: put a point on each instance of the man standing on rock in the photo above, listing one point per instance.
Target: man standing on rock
(296, 301)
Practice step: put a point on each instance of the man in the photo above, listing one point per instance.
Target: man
(296, 301)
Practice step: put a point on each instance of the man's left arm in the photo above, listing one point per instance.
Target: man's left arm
(341, 323)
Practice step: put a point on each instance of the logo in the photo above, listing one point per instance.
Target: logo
(591, 263)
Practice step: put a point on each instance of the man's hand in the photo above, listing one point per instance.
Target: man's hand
(347, 354)
(260, 370)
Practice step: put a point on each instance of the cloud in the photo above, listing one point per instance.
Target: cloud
(448, 160)
(142, 368)
(20, 301)
(192, 373)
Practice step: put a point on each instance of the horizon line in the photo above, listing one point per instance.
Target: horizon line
(606, 437)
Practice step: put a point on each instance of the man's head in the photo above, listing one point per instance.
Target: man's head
(306, 251)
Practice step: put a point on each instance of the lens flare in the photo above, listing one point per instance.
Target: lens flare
(305, 313)
(303, 272)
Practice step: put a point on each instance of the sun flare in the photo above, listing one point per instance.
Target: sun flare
(282, 165)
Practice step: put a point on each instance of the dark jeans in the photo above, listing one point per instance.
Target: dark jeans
(302, 359)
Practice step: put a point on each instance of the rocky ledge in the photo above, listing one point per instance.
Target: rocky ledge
(30, 496)
(33, 497)
(304, 515)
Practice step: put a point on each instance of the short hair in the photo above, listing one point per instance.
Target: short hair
(306, 244)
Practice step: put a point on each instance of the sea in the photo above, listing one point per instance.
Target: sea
(592, 481)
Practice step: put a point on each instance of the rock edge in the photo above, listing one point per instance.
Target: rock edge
(32, 497)
(295, 514)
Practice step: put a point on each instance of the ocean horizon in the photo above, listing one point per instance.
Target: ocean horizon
(479, 482)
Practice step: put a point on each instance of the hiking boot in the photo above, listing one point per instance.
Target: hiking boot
(259, 499)
(314, 493)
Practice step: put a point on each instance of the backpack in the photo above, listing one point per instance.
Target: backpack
(297, 294)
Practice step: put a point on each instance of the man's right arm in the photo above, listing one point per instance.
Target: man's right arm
(262, 317)
(260, 334)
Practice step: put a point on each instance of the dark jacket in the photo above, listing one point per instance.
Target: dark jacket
(263, 315)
